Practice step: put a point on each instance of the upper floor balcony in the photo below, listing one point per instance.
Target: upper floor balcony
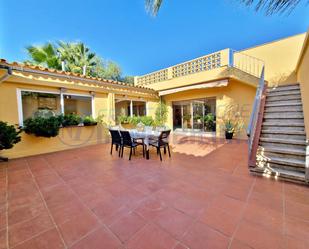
(222, 64)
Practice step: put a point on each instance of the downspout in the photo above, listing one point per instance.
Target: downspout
(8, 72)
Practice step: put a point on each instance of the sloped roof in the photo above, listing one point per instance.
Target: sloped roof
(19, 65)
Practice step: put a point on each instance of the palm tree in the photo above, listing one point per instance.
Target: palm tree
(45, 55)
(274, 6)
(153, 6)
(78, 57)
(269, 6)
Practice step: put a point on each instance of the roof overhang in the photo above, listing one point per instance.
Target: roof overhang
(219, 83)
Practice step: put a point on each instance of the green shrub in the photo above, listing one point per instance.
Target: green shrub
(89, 120)
(70, 120)
(161, 114)
(134, 120)
(42, 127)
(147, 120)
(123, 119)
(9, 135)
(210, 122)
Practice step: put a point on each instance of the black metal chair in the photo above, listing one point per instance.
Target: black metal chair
(128, 142)
(162, 142)
(116, 140)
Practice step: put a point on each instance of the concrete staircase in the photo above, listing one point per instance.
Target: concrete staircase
(282, 144)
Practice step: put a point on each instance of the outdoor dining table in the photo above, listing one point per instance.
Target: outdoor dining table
(146, 136)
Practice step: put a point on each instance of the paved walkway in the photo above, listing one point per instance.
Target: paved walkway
(202, 197)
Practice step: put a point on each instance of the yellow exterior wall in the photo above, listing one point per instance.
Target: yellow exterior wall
(303, 79)
(280, 58)
(69, 137)
(240, 96)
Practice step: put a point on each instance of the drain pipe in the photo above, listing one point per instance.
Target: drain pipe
(8, 72)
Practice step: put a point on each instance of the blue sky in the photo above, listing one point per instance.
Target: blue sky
(122, 31)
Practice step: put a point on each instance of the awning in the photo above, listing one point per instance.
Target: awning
(219, 83)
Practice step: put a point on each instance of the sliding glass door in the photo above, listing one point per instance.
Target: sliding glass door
(196, 115)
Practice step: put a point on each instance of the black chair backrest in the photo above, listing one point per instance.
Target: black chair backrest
(164, 134)
(116, 138)
(126, 138)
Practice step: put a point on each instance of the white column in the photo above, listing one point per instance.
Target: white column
(93, 107)
(131, 108)
(146, 106)
(61, 102)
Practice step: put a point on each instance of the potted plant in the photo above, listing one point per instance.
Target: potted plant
(229, 129)
(89, 120)
(42, 127)
(209, 122)
(9, 136)
(70, 120)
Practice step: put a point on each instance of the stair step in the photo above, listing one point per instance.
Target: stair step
(270, 109)
(285, 151)
(287, 161)
(283, 98)
(285, 115)
(284, 104)
(282, 174)
(284, 88)
(283, 93)
(283, 124)
(283, 141)
(284, 136)
(284, 132)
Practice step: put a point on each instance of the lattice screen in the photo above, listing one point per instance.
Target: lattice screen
(205, 63)
(153, 78)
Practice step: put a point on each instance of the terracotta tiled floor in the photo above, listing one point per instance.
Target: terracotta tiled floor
(202, 197)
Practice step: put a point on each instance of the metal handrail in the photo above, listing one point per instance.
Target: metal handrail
(255, 111)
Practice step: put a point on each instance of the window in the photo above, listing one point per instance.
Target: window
(123, 108)
(39, 104)
(139, 108)
(80, 105)
(36, 103)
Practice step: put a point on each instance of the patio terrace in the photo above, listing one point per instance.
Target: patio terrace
(202, 197)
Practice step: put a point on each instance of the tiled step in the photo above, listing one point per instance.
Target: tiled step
(283, 124)
(283, 154)
(283, 127)
(282, 174)
(283, 103)
(285, 115)
(283, 132)
(283, 141)
(283, 93)
(285, 151)
(287, 108)
(283, 98)
(291, 162)
(283, 88)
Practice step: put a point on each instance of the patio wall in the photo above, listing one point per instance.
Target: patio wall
(237, 94)
(280, 58)
(303, 79)
(69, 137)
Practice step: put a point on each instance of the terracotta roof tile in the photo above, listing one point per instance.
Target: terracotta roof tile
(51, 70)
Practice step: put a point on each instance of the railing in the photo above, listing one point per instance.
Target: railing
(248, 63)
(223, 58)
(256, 115)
